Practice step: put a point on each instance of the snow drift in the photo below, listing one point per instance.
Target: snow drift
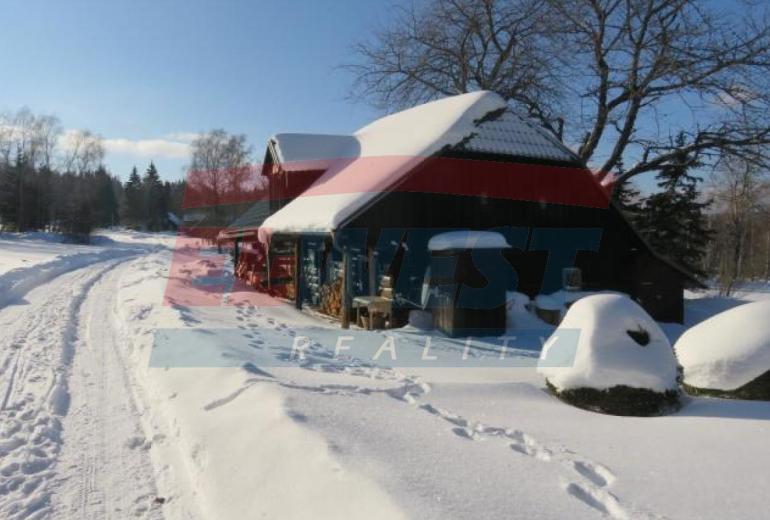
(729, 350)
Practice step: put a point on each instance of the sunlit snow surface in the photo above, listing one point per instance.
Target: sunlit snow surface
(91, 428)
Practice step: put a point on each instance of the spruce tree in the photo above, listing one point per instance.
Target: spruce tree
(107, 202)
(153, 197)
(673, 220)
(133, 201)
(627, 198)
(8, 197)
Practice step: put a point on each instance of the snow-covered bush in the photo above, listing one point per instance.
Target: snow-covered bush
(728, 355)
(608, 355)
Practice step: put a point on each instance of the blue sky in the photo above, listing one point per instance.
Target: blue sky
(146, 75)
(157, 70)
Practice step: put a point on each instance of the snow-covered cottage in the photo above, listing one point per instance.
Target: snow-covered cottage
(349, 218)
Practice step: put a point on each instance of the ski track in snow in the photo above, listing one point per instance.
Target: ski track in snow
(583, 479)
(58, 436)
(113, 476)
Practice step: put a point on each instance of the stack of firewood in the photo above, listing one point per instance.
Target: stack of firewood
(331, 298)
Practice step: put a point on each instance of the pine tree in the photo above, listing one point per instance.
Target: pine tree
(106, 202)
(153, 197)
(8, 197)
(673, 220)
(627, 198)
(133, 201)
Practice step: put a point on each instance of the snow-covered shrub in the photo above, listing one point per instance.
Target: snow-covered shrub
(608, 355)
(728, 355)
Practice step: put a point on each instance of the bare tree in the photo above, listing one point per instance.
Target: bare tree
(613, 69)
(741, 189)
(220, 165)
(47, 132)
(450, 47)
(83, 151)
(25, 134)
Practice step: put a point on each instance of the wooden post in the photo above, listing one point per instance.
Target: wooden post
(345, 308)
(269, 267)
(298, 272)
(371, 268)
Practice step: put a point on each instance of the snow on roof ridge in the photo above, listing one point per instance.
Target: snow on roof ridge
(403, 139)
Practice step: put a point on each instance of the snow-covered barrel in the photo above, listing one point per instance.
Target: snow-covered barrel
(728, 355)
(608, 355)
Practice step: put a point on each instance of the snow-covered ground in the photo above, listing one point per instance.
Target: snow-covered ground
(94, 425)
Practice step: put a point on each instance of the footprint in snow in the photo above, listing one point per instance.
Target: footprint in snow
(596, 473)
(465, 433)
(597, 498)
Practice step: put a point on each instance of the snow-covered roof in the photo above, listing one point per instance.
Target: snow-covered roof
(358, 168)
(386, 150)
(511, 134)
(249, 220)
(467, 240)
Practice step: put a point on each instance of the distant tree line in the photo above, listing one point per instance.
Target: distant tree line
(720, 232)
(52, 180)
(147, 202)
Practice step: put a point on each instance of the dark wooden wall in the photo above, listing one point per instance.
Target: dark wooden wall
(622, 262)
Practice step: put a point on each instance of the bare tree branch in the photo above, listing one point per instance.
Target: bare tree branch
(613, 70)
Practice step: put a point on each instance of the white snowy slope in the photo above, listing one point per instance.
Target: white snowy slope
(31, 259)
(28, 249)
(595, 331)
(91, 430)
(728, 350)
